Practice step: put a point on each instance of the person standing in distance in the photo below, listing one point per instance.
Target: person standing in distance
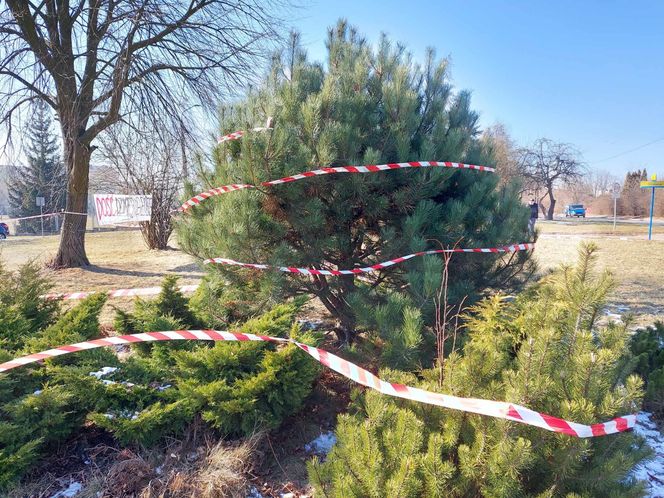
(534, 214)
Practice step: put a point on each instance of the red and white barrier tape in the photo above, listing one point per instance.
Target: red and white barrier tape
(239, 134)
(45, 215)
(371, 168)
(139, 291)
(153, 291)
(372, 268)
(497, 409)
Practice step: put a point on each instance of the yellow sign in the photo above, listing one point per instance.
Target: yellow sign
(659, 183)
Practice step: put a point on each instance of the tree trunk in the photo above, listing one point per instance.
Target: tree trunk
(552, 204)
(338, 307)
(71, 252)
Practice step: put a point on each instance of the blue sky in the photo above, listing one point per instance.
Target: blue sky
(588, 73)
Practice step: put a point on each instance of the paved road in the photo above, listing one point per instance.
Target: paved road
(609, 219)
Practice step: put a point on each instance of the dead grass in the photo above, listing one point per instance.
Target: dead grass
(119, 260)
(636, 263)
(199, 465)
(212, 471)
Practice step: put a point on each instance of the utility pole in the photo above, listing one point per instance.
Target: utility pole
(616, 195)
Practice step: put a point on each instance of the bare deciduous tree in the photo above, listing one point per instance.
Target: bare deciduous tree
(548, 164)
(98, 62)
(496, 139)
(146, 163)
(600, 182)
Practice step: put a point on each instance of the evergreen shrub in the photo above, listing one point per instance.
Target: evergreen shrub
(365, 105)
(546, 351)
(236, 388)
(156, 390)
(647, 345)
(42, 405)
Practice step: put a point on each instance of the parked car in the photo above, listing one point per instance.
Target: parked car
(4, 230)
(577, 210)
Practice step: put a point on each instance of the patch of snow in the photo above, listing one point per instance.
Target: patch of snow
(37, 392)
(310, 324)
(163, 388)
(614, 316)
(254, 493)
(123, 414)
(73, 489)
(322, 444)
(651, 471)
(103, 372)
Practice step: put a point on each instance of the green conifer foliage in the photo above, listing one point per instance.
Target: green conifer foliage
(41, 406)
(647, 345)
(154, 392)
(364, 106)
(544, 351)
(236, 388)
(43, 176)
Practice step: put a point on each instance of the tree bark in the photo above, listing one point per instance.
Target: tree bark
(552, 203)
(71, 252)
(345, 329)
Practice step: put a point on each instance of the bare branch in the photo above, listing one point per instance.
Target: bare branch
(547, 164)
(101, 62)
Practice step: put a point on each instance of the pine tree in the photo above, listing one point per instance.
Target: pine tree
(43, 176)
(364, 106)
(546, 351)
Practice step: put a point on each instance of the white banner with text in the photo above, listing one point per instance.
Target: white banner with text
(112, 209)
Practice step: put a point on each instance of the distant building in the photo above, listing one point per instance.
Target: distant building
(4, 198)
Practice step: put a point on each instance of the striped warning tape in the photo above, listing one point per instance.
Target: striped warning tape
(44, 215)
(497, 409)
(371, 168)
(372, 268)
(139, 291)
(239, 134)
(153, 291)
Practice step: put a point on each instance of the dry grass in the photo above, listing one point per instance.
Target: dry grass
(196, 466)
(636, 263)
(217, 471)
(119, 260)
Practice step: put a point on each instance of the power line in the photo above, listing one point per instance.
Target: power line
(630, 150)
